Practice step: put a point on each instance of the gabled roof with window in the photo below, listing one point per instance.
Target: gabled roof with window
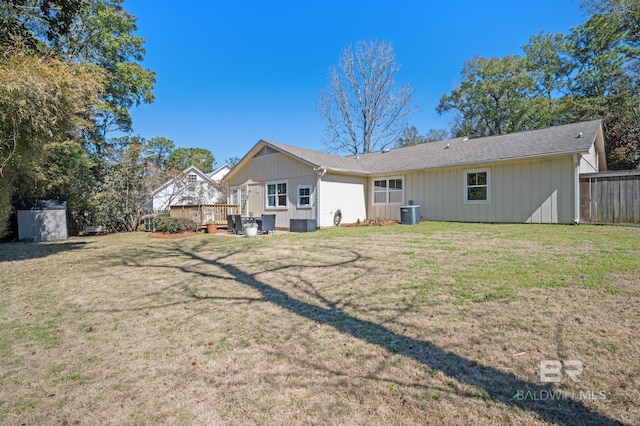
(186, 172)
(577, 138)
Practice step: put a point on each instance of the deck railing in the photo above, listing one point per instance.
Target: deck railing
(205, 214)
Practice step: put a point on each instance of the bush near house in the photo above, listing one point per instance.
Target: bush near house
(173, 225)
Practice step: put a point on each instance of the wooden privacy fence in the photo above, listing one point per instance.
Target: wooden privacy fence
(205, 214)
(610, 197)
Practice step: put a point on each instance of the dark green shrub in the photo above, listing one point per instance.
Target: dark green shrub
(173, 225)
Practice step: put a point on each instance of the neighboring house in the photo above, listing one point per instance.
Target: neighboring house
(190, 187)
(525, 177)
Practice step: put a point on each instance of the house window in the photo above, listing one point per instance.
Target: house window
(277, 195)
(388, 191)
(193, 177)
(304, 196)
(477, 186)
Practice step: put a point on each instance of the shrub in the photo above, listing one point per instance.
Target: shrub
(173, 225)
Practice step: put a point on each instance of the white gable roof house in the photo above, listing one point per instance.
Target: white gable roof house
(190, 187)
(524, 177)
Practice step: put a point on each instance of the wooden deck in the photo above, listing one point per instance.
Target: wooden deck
(205, 214)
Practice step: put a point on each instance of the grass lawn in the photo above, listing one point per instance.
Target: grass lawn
(435, 323)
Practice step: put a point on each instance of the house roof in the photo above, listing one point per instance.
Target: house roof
(39, 204)
(190, 169)
(218, 170)
(551, 141)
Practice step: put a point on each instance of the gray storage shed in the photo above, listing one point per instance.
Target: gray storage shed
(42, 220)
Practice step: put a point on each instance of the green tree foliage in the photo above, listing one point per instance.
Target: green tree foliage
(590, 73)
(98, 32)
(31, 21)
(103, 34)
(122, 197)
(363, 107)
(91, 38)
(411, 136)
(548, 63)
(158, 150)
(623, 139)
(65, 172)
(600, 54)
(42, 100)
(181, 158)
(491, 98)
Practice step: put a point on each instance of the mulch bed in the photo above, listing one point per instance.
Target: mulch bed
(169, 236)
(372, 222)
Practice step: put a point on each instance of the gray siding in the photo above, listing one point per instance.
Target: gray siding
(275, 167)
(537, 191)
(42, 225)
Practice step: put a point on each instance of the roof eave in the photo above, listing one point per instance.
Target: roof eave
(343, 171)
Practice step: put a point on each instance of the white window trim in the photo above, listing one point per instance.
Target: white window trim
(304, 206)
(266, 195)
(238, 190)
(373, 190)
(466, 193)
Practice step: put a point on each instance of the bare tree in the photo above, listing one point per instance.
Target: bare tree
(183, 190)
(364, 108)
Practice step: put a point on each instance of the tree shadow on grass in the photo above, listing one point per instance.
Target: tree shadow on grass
(497, 385)
(25, 251)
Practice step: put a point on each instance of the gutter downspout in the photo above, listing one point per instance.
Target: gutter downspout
(320, 171)
(576, 188)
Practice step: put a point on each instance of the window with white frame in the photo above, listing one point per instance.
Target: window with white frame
(388, 191)
(477, 186)
(277, 194)
(193, 177)
(304, 196)
(239, 197)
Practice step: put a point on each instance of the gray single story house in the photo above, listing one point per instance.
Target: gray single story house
(524, 177)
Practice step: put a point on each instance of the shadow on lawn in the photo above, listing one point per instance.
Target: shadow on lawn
(24, 251)
(498, 385)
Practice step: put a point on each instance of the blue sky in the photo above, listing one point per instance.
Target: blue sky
(232, 73)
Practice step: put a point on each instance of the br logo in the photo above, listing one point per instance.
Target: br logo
(551, 370)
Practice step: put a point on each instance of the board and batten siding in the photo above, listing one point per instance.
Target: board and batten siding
(345, 193)
(269, 167)
(534, 191)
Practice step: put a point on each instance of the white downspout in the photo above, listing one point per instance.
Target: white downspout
(320, 171)
(576, 188)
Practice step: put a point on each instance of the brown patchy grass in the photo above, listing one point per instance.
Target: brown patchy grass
(425, 324)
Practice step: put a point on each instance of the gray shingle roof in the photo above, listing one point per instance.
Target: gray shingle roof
(550, 141)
